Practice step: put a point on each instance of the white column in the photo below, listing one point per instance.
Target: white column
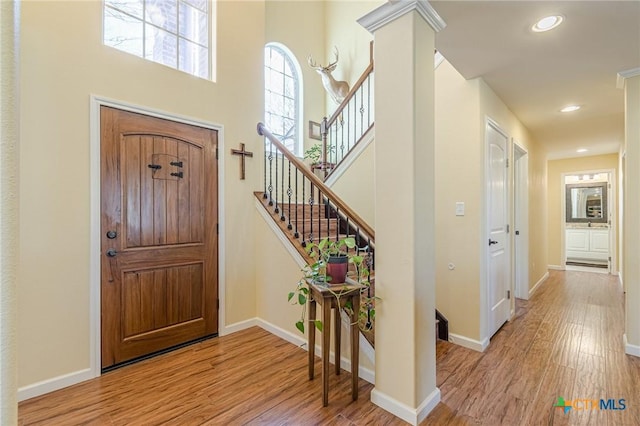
(9, 124)
(631, 245)
(404, 33)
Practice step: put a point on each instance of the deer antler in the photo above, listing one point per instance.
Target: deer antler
(335, 52)
(312, 63)
(337, 89)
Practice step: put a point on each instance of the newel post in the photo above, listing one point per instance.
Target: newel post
(404, 34)
(324, 130)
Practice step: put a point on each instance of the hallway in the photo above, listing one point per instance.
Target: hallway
(564, 342)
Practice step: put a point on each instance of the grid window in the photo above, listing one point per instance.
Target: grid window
(175, 33)
(282, 96)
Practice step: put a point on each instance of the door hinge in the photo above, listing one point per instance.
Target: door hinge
(609, 258)
(508, 294)
(216, 152)
(508, 228)
(507, 162)
(217, 228)
(218, 304)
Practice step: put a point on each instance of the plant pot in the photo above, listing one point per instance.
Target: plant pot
(337, 269)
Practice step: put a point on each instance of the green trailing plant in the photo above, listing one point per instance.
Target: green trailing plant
(314, 154)
(317, 273)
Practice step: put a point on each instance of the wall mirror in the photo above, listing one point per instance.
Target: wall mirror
(586, 202)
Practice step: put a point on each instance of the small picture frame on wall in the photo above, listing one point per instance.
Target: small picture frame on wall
(314, 130)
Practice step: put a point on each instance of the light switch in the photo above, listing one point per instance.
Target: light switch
(460, 208)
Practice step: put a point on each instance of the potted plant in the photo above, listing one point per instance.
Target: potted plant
(334, 255)
(332, 258)
(314, 154)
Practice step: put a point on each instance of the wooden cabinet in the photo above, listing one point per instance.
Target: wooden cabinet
(587, 244)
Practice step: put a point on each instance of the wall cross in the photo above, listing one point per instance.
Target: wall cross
(243, 154)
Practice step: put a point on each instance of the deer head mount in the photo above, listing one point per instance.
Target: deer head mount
(337, 89)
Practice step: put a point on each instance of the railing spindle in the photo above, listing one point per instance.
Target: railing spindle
(311, 195)
(289, 192)
(270, 173)
(282, 218)
(264, 195)
(304, 204)
(327, 212)
(296, 234)
(277, 209)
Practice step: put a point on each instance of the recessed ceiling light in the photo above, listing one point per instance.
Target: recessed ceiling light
(547, 23)
(570, 108)
(582, 150)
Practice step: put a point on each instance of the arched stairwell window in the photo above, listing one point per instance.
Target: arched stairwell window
(283, 96)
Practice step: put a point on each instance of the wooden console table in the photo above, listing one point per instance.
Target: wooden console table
(326, 296)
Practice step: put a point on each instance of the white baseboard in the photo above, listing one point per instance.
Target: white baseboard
(468, 343)
(540, 281)
(53, 384)
(630, 349)
(290, 337)
(410, 415)
(556, 267)
(620, 280)
(238, 326)
(301, 341)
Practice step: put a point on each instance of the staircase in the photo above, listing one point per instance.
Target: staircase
(306, 210)
(353, 118)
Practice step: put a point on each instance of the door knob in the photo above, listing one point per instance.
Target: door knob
(111, 234)
(111, 253)
(491, 242)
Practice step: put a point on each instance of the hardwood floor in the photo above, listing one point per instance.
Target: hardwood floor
(564, 342)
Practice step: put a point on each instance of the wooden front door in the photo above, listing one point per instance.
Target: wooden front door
(159, 246)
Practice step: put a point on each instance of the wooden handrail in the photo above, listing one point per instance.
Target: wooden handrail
(350, 95)
(315, 180)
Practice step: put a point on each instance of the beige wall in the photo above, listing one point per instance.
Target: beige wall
(299, 25)
(461, 109)
(555, 214)
(351, 39)
(356, 186)
(458, 172)
(63, 63)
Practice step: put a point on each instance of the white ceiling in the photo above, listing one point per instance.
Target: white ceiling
(536, 74)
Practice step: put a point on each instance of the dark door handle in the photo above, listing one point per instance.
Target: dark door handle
(491, 242)
(111, 253)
